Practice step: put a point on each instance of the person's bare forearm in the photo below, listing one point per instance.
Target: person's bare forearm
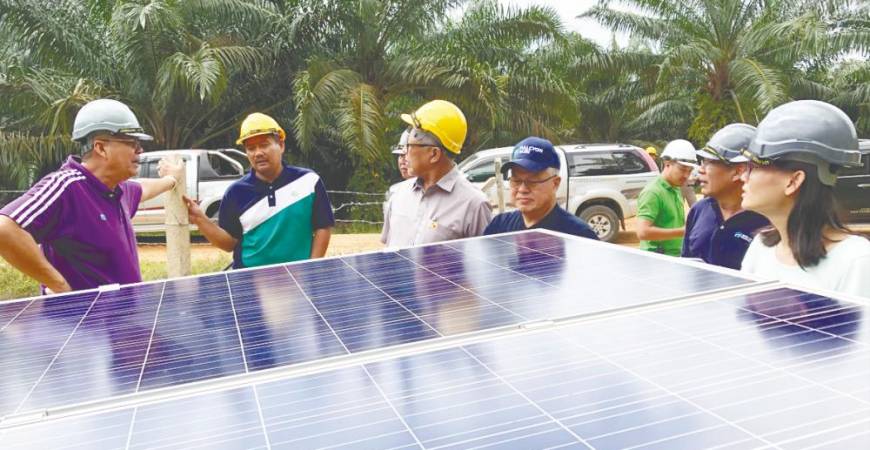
(648, 232)
(152, 187)
(216, 235)
(21, 251)
(661, 234)
(320, 242)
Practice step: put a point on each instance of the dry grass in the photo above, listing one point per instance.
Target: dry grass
(203, 259)
(206, 259)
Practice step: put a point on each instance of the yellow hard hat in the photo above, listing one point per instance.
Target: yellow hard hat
(257, 124)
(444, 120)
(651, 151)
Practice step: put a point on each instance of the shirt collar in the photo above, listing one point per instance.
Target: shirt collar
(664, 183)
(74, 162)
(551, 216)
(717, 212)
(282, 178)
(446, 183)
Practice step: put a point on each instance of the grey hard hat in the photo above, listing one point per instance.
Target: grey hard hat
(728, 143)
(401, 147)
(107, 115)
(810, 131)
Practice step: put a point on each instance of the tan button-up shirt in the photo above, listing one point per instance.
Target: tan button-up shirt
(450, 209)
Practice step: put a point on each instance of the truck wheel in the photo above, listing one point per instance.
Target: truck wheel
(603, 221)
(212, 212)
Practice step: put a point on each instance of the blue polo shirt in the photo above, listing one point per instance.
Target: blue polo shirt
(557, 220)
(274, 222)
(717, 241)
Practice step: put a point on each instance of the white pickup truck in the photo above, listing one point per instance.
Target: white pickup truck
(209, 173)
(600, 182)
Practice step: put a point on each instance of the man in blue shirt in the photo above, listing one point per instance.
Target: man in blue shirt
(718, 231)
(534, 180)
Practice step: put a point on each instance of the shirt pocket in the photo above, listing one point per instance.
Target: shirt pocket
(441, 231)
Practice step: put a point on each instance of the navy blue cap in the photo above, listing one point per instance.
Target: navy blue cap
(533, 154)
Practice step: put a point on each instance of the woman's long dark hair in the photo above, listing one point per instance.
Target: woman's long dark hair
(815, 209)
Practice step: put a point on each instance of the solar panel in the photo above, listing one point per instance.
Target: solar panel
(772, 367)
(93, 346)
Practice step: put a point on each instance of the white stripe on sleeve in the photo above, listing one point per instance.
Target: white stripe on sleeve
(49, 202)
(41, 195)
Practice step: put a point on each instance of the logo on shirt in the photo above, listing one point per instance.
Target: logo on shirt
(103, 217)
(744, 237)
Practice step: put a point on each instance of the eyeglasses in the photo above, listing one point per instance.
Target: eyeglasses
(531, 184)
(131, 142)
(753, 166)
(403, 149)
(704, 162)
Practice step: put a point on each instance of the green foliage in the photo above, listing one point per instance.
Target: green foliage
(24, 159)
(337, 73)
(368, 178)
(710, 117)
(14, 284)
(748, 53)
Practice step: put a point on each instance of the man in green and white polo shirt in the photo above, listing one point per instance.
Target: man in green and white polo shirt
(277, 213)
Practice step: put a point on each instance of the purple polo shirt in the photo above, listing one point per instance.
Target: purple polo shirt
(83, 227)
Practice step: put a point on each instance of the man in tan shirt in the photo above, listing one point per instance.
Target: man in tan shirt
(440, 204)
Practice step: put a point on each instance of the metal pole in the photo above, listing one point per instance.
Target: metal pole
(177, 228)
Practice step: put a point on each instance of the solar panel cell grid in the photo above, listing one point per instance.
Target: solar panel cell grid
(97, 346)
(709, 375)
(104, 356)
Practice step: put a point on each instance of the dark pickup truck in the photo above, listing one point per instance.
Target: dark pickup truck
(853, 189)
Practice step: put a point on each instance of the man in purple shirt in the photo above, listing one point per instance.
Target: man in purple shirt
(80, 215)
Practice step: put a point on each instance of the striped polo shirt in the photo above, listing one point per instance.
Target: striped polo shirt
(274, 222)
(82, 226)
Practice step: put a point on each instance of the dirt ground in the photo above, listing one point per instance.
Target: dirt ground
(340, 244)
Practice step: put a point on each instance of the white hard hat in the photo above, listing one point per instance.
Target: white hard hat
(400, 148)
(681, 151)
(110, 116)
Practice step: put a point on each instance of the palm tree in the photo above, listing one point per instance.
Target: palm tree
(172, 61)
(381, 58)
(620, 103)
(505, 69)
(845, 84)
(363, 64)
(740, 57)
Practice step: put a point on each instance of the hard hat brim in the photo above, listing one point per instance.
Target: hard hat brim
(242, 140)
(707, 154)
(408, 119)
(140, 136)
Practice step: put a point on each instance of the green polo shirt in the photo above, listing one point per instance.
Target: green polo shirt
(662, 204)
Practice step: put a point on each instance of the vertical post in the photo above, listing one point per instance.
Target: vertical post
(499, 185)
(177, 227)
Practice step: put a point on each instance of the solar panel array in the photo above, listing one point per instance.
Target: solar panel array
(517, 341)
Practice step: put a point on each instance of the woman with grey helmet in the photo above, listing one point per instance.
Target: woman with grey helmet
(794, 158)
